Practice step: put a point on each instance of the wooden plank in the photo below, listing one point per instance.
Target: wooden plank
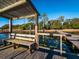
(23, 35)
(27, 16)
(12, 6)
(29, 8)
(49, 34)
(6, 15)
(58, 57)
(74, 40)
(10, 52)
(15, 53)
(5, 47)
(22, 42)
(5, 52)
(23, 55)
(15, 10)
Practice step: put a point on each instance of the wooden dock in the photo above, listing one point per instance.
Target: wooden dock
(9, 52)
(74, 40)
(23, 53)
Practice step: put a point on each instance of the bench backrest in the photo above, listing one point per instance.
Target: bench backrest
(27, 37)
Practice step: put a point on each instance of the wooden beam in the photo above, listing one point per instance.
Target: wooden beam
(4, 16)
(13, 5)
(28, 16)
(33, 8)
(36, 31)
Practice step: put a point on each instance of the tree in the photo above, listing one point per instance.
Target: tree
(26, 26)
(6, 26)
(71, 23)
(75, 23)
(55, 24)
(61, 18)
(44, 20)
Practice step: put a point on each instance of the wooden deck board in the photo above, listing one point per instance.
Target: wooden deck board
(16, 54)
(37, 55)
(58, 57)
(22, 56)
(10, 52)
(74, 40)
(4, 47)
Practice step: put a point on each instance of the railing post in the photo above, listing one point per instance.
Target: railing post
(60, 44)
(10, 26)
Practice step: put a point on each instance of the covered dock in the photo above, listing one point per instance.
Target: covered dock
(18, 9)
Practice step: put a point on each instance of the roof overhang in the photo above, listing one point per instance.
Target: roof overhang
(17, 9)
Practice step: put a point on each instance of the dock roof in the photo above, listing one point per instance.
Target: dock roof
(17, 9)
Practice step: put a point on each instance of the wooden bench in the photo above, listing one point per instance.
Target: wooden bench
(22, 39)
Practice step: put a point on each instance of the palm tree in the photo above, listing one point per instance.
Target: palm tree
(61, 18)
(30, 20)
(44, 20)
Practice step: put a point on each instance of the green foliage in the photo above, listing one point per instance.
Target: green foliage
(52, 24)
(71, 23)
(44, 20)
(55, 24)
(6, 26)
(40, 25)
(61, 18)
(22, 27)
(75, 23)
(15, 26)
(27, 26)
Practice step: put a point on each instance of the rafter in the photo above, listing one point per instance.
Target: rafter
(17, 9)
(29, 16)
(13, 5)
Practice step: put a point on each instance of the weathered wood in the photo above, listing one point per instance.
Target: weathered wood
(17, 9)
(58, 57)
(74, 41)
(19, 41)
(13, 5)
(11, 53)
(23, 53)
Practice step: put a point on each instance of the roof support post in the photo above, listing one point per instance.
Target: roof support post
(10, 26)
(36, 31)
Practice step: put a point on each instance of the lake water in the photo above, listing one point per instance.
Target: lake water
(53, 43)
(3, 36)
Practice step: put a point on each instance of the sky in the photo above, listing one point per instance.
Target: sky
(53, 9)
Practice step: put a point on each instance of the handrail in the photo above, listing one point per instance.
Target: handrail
(24, 35)
(50, 34)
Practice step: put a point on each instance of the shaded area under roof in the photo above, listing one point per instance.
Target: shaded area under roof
(17, 8)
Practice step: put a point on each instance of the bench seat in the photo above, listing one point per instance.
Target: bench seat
(22, 39)
(22, 42)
